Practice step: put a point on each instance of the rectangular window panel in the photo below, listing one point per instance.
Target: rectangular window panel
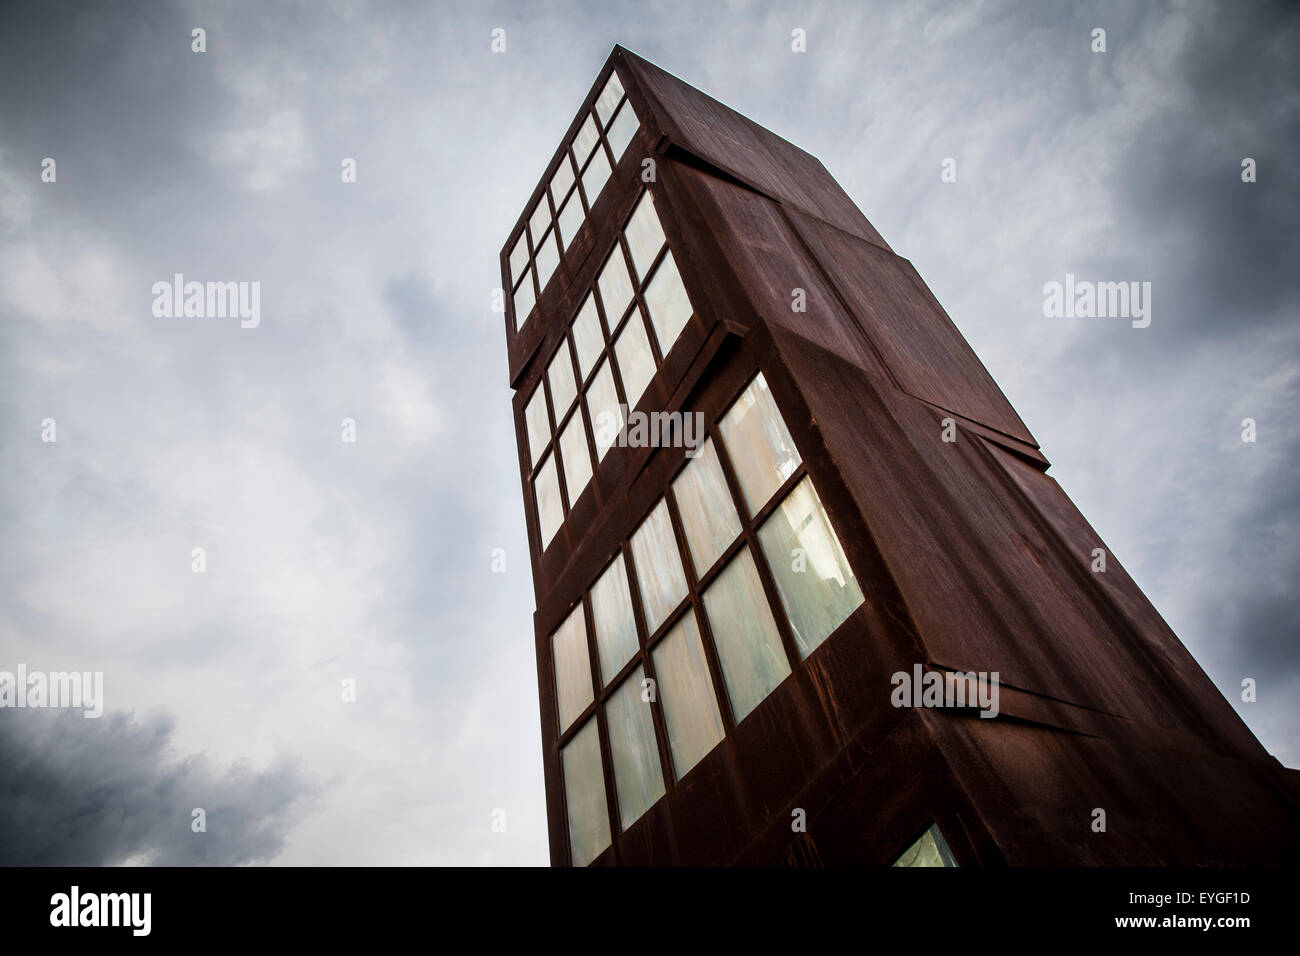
(539, 425)
(518, 258)
(761, 449)
(550, 510)
(623, 130)
(812, 575)
(615, 286)
(572, 668)
(571, 219)
(525, 299)
(708, 513)
(576, 457)
(562, 181)
(595, 176)
(744, 632)
(584, 795)
(686, 695)
(638, 781)
(670, 308)
(560, 374)
(539, 222)
(588, 337)
(636, 363)
(609, 98)
(658, 564)
(645, 235)
(585, 142)
(611, 609)
(603, 408)
(547, 258)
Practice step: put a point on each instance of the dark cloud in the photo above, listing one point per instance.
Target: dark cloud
(1230, 248)
(95, 792)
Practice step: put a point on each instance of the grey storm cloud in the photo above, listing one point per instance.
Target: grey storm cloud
(101, 792)
(372, 562)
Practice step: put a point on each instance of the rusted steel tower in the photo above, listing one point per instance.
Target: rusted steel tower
(721, 611)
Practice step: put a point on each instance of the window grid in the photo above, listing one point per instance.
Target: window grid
(636, 310)
(698, 581)
(544, 217)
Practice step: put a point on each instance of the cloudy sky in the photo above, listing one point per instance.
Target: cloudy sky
(328, 561)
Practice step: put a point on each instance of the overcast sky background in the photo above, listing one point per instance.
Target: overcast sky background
(372, 561)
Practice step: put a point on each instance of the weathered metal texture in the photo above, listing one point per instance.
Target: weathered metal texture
(970, 557)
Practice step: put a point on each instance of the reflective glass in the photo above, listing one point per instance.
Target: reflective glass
(595, 176)
(622, 131)
(708, 513)
(550, 510)
(611, 609)
(572, 668)
(670, 308)
(615, 286)
(745, 635)
(584, 795)
(645, 235)
(636, 363)
(818, 591)
(539, 426)
(603, 408)
(560, 374)
(607, 102)
(686, 695)
(576, 457)
(758, 443)
(658, 565)
(525, 298)
(638, 780)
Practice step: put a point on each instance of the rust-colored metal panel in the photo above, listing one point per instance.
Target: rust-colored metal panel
(701, 125)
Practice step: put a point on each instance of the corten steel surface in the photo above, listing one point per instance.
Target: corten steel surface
(970, 557)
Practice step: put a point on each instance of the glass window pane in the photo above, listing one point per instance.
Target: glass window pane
(749, 645)
(518, 258)
(576, 457)
(611, 609)
(572, 668)
(548, 257)
(761, 449)
(636, 363)
(670, 308)
(562, 181)
(930, 850)
(603, 407)
(560, 374)
(658, 567)
(638, 780)
(550, 511)
(816, 586)
(645, 235)
(708, 513)
(586, 140)
(595, 176)
(539, 426)
(588, 337)
(686, 695)
(584, 795)
(615, 286)
(571, 219)
(620, 134)
(525, 298)
(539, 221)
(607, 102)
